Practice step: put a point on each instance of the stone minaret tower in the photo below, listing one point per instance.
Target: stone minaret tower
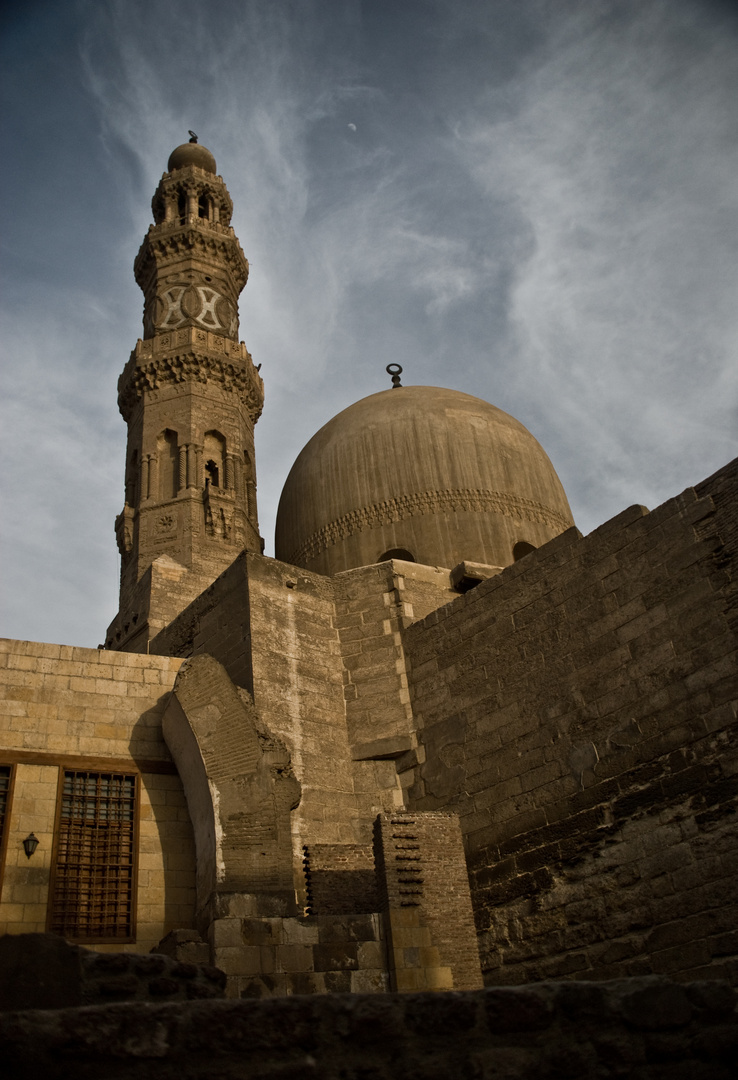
(190, 396)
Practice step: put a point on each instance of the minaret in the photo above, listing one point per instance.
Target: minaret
(190, 396)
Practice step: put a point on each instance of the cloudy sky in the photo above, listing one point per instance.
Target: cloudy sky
(533, 201)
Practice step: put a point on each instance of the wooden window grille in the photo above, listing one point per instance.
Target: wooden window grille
(95, 865)
(4, 792)
(6, 775)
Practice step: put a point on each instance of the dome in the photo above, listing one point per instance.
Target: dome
(419, 472)
(191, 153)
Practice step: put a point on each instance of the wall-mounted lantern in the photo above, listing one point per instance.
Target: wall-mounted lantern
(30, 844)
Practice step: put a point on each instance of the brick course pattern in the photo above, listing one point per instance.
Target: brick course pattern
(578, 711)
(426, 903)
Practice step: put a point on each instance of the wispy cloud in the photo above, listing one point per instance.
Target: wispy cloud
(618, 148)
(538, 205)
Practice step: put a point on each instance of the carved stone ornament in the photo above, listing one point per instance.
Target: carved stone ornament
(141, 375)
(426, 502)
(165, 523)
(166, 242)
(201, 304)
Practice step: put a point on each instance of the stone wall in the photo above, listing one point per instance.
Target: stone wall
(324, 662)
(43, 971)
(578, 712)
(638, 1029)
(64, 707)
(317, 954)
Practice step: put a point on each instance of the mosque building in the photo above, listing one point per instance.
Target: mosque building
(441, 741)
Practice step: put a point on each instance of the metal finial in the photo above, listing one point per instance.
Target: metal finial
(193, 137)
(395, 371)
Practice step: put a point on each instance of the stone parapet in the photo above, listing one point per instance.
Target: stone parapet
(635, 1029)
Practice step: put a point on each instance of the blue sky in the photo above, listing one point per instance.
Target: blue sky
(531, 201)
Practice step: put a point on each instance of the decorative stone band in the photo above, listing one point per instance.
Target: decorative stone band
(165, 242)
(473, 500)
(209, 359)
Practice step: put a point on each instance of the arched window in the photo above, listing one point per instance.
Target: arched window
(249, 484)
(132, 480)
(522, 548)
(166, 446)
(212, 475)
(182, 206)
(397, 553)
(203, 207)
(214, 449)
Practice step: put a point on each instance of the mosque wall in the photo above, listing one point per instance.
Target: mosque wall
(83, 713)
(579, 712)
(278, 632)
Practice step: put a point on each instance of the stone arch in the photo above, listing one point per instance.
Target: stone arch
(239, 787)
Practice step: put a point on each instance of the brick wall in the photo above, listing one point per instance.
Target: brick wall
(425, 898)
(64, 707)
(339, 878)
(578, 711)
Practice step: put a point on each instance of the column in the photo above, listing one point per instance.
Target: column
(191, 466)
(182, 479)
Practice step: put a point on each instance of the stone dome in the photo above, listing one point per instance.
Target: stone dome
(191, 153)
(419, 472)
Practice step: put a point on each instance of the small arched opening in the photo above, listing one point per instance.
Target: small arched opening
(215, 457)
(521, 549)
(397, 553)
(132, 480)
(203, 207)
(212, 475)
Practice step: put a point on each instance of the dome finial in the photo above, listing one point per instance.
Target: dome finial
(193, 137)
(395, 371)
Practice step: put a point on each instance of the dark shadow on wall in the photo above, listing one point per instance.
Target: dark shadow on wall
(164, 822)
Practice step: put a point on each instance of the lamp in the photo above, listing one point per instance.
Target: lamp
(30, 844)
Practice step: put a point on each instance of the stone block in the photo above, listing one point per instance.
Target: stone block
(336, 957)
(224, 932)
(238, 960)
(369, 982)
(371, 954)
(300, 932)
(292, 958)
(39, 971)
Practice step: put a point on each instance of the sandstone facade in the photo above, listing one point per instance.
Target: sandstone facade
(386, 776)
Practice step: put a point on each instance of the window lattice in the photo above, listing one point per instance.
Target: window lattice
(95, 862)
(4, 790)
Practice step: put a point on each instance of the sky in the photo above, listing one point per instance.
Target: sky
(532, 201)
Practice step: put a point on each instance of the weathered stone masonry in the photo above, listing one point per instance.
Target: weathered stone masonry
(578, 712)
